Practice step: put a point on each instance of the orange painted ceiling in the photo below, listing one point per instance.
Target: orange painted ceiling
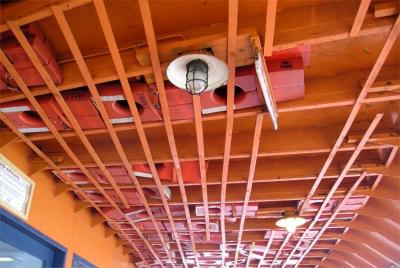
(334, 158)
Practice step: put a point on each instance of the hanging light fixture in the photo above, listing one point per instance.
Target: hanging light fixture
(290, 222)
(196, 73)
(196, 76)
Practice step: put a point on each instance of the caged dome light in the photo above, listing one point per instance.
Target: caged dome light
(196, 73)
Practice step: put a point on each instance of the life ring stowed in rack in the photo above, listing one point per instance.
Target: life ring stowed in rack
(27, 120)
(21, 62)
(117, 107)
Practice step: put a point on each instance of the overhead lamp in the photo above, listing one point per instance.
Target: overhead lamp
(6, 259)
(196, 73)
(290, 222)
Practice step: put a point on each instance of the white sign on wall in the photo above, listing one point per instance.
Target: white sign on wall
(16, 189)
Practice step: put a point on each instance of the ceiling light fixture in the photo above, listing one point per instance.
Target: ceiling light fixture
(196, 73)
(6, 259)
(290, 222)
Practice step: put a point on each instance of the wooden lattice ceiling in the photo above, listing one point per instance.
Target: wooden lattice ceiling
(336, 145)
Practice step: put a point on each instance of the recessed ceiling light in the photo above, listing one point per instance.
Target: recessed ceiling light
(6, 259)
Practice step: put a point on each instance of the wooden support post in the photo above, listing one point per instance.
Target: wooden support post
(386, 9)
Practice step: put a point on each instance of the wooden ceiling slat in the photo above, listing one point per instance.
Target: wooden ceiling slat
(249, 256)
(374, 73)
(302, 105)
(44, 13)
(64, 106)
(260, 194)
(292, 144)
(155, 62)
(372, 95)
(267, 248)
(352, 159)
(360, 16)
(21, 84)
(63, 176)
(376, 245)
(202, 161)
(361, 251)
(62, 22)
(281, 247)
(270, 27)
(233, 13)
(106, 27)
(371, 79)
(250, 178)
(331, 218)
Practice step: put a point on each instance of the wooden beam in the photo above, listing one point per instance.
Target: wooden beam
(347, 167)
(267, 248)
(392, 171)
(249, 256)
(202, 161)
(100, 106)
(253, 163)
(361, 13)
(336, 262)
(389, 231)
(270, 27)
(282, 246)
(314, 31)
(327, 223)
(43, 13)
(391, 208)
(44, 74)
(390, 41)
(392, 85)
(155, 62)
(61, 102)
(287, 142)
(264, 192)
(233, 9)
(55, 167)
(338, 95)
(373, 243)
(362, 251)
(386, 9)
(353, 259)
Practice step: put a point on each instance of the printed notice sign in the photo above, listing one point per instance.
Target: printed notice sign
(16, 189)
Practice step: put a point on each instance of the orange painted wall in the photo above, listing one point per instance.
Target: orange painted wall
(55, 217)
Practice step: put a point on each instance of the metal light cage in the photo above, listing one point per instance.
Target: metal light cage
(196, 77)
